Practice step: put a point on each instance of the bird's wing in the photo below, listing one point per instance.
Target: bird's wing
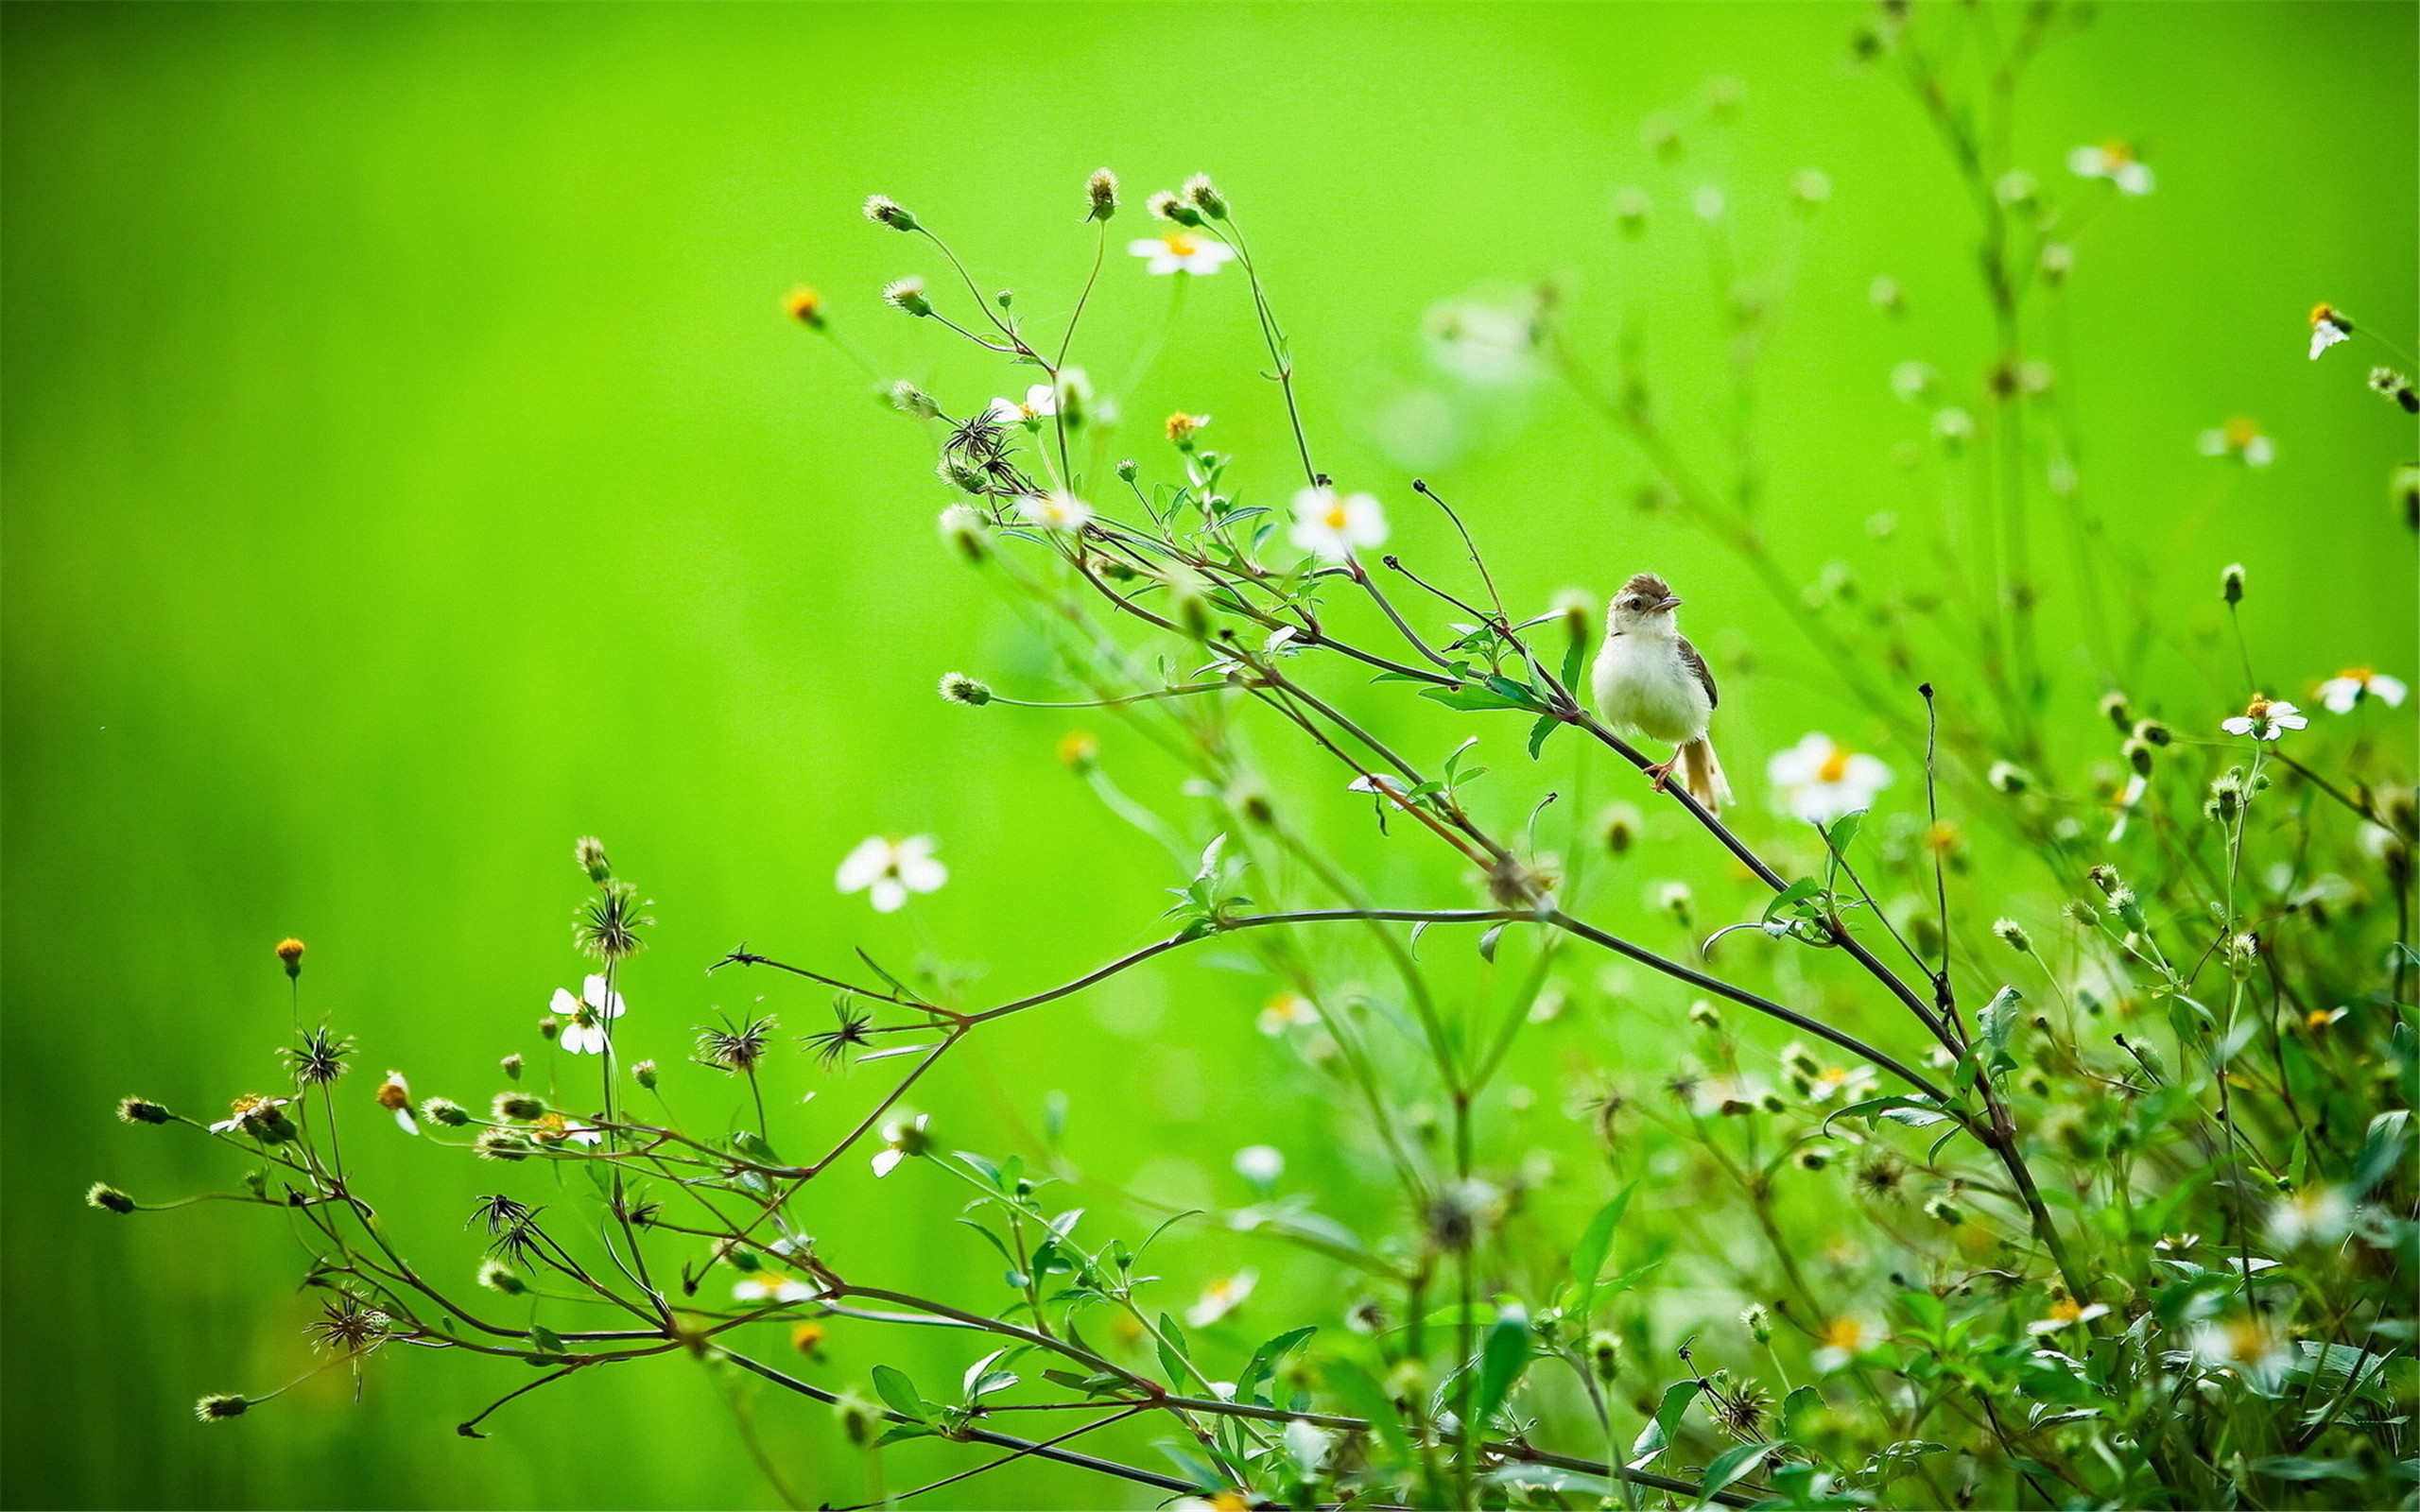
(1696, 664)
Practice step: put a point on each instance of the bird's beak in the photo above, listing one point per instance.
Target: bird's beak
(1670, 604)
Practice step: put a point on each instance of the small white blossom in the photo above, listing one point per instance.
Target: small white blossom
(900, 1140)
(2343, 691)
(888, 870)
(2318, 1215)
(1181, 251)
(1286, 1010)
(1041, 402)
(1221, 1297)
(2264, 719)
(2328, 328)
(1819, 781)
(769, 1287)
(2240, 439)
(585, 1016)
(1842, 1340)
(2117, 162)
(1260, 1164)
(1332, 525)
(1056, 511)
(2065, 1313)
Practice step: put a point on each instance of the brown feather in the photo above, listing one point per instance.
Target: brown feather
(1696, 664)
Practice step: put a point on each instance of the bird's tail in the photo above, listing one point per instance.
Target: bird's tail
(1702, 776)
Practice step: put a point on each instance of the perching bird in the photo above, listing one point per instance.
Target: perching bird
(1649, 680)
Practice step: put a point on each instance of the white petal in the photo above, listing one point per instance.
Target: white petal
(404, 1117)
(564, 1004)
(858, 869)
(1365, 523)
(887, 894)
(2259, 451)
(2090, 161)
(1148, 246)
(1005, 412)
(2134, 178)
(1867, 772)
(2290, 721)
(2212, 443)
(2326, 334)
(887, 1160)
(2339, 694)
(922, 873)
(583, 1040)
(1042, 398)
(2239, 725)
(2388, 691)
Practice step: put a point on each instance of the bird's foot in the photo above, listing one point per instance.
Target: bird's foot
(1662, 774)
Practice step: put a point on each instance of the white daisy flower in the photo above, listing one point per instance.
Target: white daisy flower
(2243, 1344)
(1286, 1010)
(2242, 439)
(2343, 691)
(395, 1096)
(1221, 1297)
(763, 1287)
(1819, 780)
(2328, 326)
(1260, 1164)
(2123, 806)
(1056, 511)
(1842, 1340)
(888, 870)
(1041, 403)
(1842, 1084)
(2264, 719)
(1485, 344)
(2115, 162)
(251, 1106)
(900, 1140)
(1331, 525)
(2066, 1313)
(1181, 251)
(2319, 1215)
(585, 1016)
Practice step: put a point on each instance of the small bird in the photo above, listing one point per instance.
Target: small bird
(1649, 680)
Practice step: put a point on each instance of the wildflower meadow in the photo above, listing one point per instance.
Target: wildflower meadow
(1661, 759)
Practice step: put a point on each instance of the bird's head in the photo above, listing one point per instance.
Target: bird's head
(1643, 607)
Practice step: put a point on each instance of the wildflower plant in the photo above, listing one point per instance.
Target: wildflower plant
(1949, 1202)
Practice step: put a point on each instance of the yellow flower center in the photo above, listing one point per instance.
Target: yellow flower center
(1181, 244)
(2323, 315)
(2257, 708)
(1336, 518)
(2242, 432)
(2359, 675)
(2066, 1310)
(1834, 767)
(1942, 837)
(1844, 1334)
(2119, 153)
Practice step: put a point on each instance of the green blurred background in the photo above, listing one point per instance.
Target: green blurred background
(408, 469)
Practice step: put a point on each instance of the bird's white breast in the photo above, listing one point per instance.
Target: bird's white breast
(1641, 683)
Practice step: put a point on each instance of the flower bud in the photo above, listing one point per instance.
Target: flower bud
(221, 1407)
(1078, 751)
(907, 294)
(909, 399)
(499, 1277)
(548, 1026)
(1204, 197)
(645, 1074)
(956, 687)
(965, 532)
(102, 1194)
(1126, 470)
(142, 1110)
(2007, 777)
(590, 853)
(511, 1066)
(1621, 824)
(2231, 583)
(1630, 212)
(885, 210)
(2138, 755)
(1101, 190)
(290, 952)
(2013, 935)
(501, 1145)
(2082, 912)
(2115, 708)
(445, 1111)
(1705, 1015)
(1604, 1355)
(1759, 1324)
(1940, 1209)
(520, 1105)
(962, 474)
(1167, 206)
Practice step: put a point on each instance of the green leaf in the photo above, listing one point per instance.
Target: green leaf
(1657, 1436)
(1843, 832)
(1998, 1018)
(1487, 943)
(547, 1339)
(1173, 1352)
(1596, 1242)
(1733, 1464)
(2381, 1150)
(2296, 1468)
(1264, 1360)
(1547, 725)
(1502, 1358)
(893, 1386)
(1361, 1392)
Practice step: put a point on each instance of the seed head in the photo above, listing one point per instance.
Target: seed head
(102, 1194)
(511, 1065)
(142, 1110)
(444, 1112)
(2115, 709)
(501, 1145)
(2007, 777)
(1203, 195)
(1940, 1209)
(1167, 205)
(2231, 583)
(590, 853)
(847, 1033)
(736, 1048)
(607, 926)
(884, 211)
(907, 294)
(805, 306)
(645, 1074)
(319, 1059)
(2013, 935)
(956, 687)
(1101, 191)
(289, 949)
(2082, 912)
(499, 1277)
(221, 1407)
(911, 400)
(2137, 754)
(520, 1107)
